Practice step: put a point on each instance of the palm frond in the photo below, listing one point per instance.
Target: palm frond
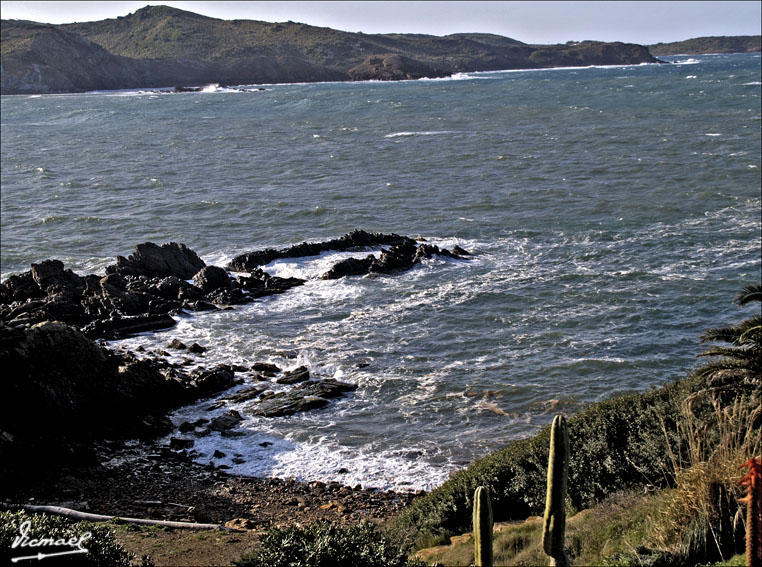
(748, 294)
(731, 352)
(732, 333)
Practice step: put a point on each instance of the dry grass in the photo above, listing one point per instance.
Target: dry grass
(704, 518)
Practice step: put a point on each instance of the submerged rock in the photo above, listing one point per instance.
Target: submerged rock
(304, 397)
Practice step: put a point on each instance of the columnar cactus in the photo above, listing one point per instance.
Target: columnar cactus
(753, 500)
(554, 520)
(482, 528)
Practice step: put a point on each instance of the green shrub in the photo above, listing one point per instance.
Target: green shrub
(326, 545)
(102, 547)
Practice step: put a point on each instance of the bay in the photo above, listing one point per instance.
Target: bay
(612, 214)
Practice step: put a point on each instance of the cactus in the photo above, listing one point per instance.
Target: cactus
(753, 500)
(482, 528)
(554, 520)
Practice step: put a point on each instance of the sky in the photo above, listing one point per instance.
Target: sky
(531, 22)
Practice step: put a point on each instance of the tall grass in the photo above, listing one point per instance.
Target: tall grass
(704, 519)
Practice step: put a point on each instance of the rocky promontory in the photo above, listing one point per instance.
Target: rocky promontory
(61, 390)
(159, 46)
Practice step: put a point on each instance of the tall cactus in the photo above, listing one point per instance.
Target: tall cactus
(482, 528)
(554, 520)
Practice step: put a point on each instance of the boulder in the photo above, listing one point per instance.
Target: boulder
(209, 382)
(226, 421)
(210, 278)
(20, 288)
(295, 376)
(265, 368)
(151, 260)
(50, 276)
(349, 267)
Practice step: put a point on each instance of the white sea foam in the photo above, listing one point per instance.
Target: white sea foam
(422, 133)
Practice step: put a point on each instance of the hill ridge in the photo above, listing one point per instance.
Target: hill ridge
(160, 46)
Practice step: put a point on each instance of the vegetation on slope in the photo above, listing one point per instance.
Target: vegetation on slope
(713, 44)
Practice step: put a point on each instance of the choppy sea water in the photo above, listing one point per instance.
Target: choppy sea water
(612, 213)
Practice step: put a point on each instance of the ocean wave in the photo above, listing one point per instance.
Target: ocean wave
(421, 133)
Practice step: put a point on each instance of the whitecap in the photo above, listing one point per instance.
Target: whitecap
(422, 133)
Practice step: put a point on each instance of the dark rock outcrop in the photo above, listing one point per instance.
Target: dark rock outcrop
(60, 388)
(398, 258)
(152, 261)
(211, 278)
(357, 239)
(146, 290)
(394, 67)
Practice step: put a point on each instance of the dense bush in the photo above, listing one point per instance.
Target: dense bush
(102, 548)
(326, 545)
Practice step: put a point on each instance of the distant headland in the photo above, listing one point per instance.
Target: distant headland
(159, 46)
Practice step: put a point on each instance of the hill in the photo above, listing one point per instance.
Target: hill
(713, 44)
(159, 46)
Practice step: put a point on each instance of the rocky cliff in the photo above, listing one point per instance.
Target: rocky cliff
(159, 46)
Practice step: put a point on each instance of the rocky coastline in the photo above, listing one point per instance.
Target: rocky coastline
(79, 419)
(158, 46)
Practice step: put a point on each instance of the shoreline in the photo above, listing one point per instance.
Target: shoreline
(147, 480)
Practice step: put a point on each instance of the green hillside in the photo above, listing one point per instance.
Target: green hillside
(713, 44)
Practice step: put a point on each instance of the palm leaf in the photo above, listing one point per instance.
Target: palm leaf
(748, 294)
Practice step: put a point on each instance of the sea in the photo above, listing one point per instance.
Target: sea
(612, 214)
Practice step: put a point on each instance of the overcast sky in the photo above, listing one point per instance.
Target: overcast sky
(530, 22)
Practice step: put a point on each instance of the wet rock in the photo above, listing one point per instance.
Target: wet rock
(210, 278)
(176, 344)
(196, 348)
(353, 240)
(187, 426)
(50, 276)
(259, 283)
(151, 260)
(218, 454)
(208, 382)
(115, 327)
(78, 390)
(349, 267)
(295, 376)
(226, 421)
(247, 394)
(176, 443)
(400, 257)
(20, 288)
(265, 368)
(304, 397)
(226, 296)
